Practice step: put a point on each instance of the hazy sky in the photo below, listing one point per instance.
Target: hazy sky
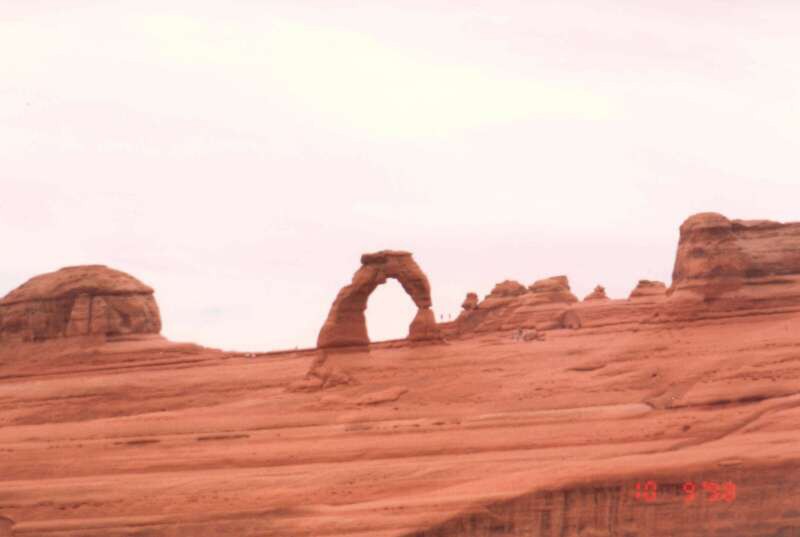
(239, 156)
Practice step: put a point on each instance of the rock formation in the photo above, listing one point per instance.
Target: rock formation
(553, 289)
(722, 268)
(599, 293)
(511, 305)
(502, 294)
(322, 374)
(649, 289)
(346, 324)
(507, 288)
(78, 301)
(471, 302)
(717, 256)
(571, 319)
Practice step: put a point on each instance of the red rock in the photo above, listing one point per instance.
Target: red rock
(502, 294)
(484, 436)
(571, 319)
(717, 256)
(6, 527)
(649, 289)
(507, 288)
(553, 289)
(346, 324)
(86, 300)
(599, 293)
(493, 437)
(510, 306)
(471, 302)
(423, 327)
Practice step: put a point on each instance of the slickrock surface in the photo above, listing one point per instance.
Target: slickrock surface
(91, 300)
(6, 526)
(346, 324)
(488, 435)
(159, 439)
(507, 288)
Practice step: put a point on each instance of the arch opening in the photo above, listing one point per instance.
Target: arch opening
(346, 323)
(388, 312)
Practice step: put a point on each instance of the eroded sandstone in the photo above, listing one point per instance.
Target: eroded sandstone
(718, 256)
(649, 289)
(346, 324)
(89, 300)
(599, 293)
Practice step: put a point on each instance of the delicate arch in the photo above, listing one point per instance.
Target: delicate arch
(346, 324)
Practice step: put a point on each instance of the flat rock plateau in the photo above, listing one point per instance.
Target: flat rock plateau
(594, 427)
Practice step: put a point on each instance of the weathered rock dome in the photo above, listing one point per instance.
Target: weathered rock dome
(78, 301)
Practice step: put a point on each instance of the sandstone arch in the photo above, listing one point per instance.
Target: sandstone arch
(346, 324)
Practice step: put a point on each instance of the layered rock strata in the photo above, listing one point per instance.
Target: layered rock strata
(717, 256)
(723, 268)
(87, 300)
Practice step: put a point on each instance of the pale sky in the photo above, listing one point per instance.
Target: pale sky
(239, 156)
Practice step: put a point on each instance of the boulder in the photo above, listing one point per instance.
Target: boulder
(88, 300)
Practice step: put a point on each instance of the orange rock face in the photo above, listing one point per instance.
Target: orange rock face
(78, 301)
(718, 256)
(346, 324)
